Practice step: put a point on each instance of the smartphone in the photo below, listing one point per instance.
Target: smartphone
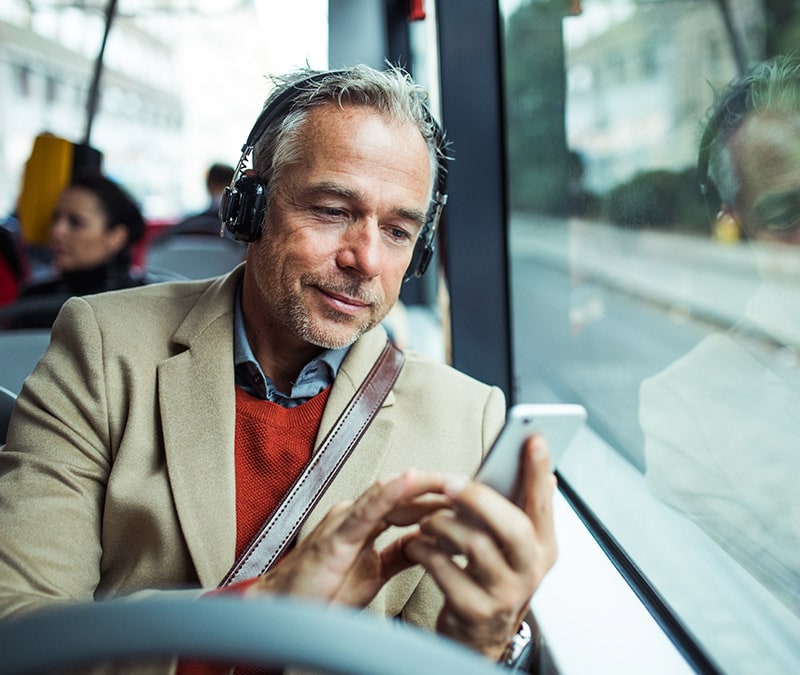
(557, 422)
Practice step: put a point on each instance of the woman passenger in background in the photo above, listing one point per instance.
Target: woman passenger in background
(95, 225)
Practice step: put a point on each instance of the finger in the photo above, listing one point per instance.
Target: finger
(440, 564)
(474, 608)
(487, 586)
(393, 557)
(486, 561)
(540, 486)
(468, 603)
(368, 514)
(520, 537)
(412, 511)
(511, 528)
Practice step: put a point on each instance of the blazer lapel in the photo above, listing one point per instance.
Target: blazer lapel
(198, 411)
(363, 466)
(197, 406)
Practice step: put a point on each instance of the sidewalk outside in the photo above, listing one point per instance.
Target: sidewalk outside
(692, 275)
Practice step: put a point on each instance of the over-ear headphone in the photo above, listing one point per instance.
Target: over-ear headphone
(244, 202)
(704, 155)
(732, 106)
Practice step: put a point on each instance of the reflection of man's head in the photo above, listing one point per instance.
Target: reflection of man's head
(752, 150)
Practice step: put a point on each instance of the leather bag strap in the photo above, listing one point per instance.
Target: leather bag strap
(280, 529)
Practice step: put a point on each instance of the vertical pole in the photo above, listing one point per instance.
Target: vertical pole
(94, 90)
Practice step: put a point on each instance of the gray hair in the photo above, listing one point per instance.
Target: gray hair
(772, 85)
(390, 92)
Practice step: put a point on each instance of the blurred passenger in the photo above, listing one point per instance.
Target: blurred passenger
(48, 170)
(95, 225)
(722, 424)
(218, 177)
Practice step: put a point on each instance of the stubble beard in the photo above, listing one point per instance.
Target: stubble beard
(312, 325)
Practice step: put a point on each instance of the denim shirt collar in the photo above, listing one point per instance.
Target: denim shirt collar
(315, 377)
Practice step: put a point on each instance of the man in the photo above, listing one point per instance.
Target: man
(162, 426)
(721, 423)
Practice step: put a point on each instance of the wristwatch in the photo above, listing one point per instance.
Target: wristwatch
(516, 648)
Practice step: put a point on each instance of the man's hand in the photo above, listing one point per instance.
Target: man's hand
(338, 561)
(488, 556)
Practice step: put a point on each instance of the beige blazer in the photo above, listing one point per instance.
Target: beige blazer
(118, 472)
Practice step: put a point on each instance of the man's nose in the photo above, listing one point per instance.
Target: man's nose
(361, 248)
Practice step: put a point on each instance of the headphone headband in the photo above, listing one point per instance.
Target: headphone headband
(244, 202)
(726, 114)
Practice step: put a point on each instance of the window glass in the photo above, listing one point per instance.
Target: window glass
(668, 311)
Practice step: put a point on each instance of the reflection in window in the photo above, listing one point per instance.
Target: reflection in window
(672, 316)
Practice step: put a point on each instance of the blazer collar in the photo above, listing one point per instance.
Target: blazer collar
(197, 407)
(354, 369)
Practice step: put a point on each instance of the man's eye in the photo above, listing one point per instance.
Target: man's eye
(399, 234)
(330, 212)
(784, 220)
(780, 213)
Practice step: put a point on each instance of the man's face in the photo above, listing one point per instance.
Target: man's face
(339, 232)
(766, 156)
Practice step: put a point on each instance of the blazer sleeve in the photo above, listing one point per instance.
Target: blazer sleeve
(53, 471)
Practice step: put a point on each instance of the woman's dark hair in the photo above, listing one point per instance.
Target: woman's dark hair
(119, 207)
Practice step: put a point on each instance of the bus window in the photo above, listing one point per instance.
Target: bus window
(670, 314)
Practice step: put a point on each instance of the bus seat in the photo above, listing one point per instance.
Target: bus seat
(194, 256)
(302, 633)
(20, 351)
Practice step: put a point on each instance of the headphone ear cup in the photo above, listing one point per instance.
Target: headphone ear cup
(243, 208)
(421, 257)
(228, 207)
(425, 245)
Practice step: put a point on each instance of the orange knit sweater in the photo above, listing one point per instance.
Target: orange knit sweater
(272, 445)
